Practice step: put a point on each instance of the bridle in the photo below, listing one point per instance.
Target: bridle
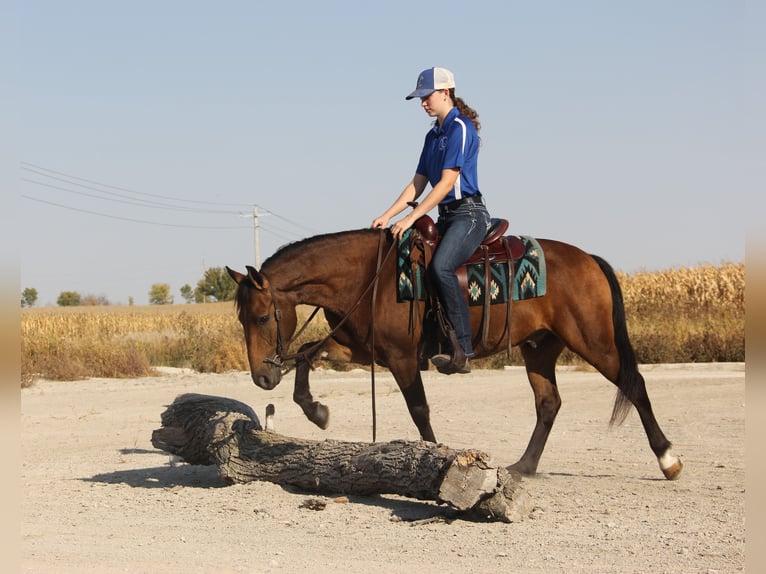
(280, 360)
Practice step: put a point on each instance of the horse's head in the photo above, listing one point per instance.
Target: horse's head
(268, 322)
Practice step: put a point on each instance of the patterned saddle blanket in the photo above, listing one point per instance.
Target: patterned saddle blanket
(485, 275)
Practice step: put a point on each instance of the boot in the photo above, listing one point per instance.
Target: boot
(450, 364)
(456, 362)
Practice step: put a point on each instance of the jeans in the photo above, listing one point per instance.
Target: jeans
(462, 231)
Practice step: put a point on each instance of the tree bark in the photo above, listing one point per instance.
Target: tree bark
(213, 430)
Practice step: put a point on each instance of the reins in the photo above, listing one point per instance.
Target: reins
(379, 266)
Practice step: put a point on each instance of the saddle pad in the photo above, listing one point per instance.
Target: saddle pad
(529, 278)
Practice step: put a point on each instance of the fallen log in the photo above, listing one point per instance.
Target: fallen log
(187, 424)
(203, 429)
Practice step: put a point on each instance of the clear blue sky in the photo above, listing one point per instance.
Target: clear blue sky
(148, 131)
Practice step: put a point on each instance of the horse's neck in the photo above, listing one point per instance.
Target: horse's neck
(324, 269)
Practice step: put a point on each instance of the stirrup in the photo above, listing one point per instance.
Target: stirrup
(448, 365)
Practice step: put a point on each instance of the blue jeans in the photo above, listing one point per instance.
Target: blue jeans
(462, 231)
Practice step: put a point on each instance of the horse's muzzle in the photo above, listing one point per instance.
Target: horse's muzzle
(267, 379)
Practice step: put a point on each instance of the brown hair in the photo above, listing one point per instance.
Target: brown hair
(466, 110)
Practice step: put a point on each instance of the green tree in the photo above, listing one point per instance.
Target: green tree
(68, 299)
(28, 297)
(159, 294)
(187, 293)
(216, 284)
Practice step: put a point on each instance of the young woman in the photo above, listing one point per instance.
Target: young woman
(449, 163)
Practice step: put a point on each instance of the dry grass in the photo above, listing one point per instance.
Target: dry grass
(68, 343)
(704, 288)
(687, 315)
(681, 315)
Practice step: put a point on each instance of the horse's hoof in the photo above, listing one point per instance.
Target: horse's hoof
(321, 417)
(673, 472)
(522, 469)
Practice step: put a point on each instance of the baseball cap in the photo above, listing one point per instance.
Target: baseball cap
(431, 80)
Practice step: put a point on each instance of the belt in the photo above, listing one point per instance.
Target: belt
(452, 205)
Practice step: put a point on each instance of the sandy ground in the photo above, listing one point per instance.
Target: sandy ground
(98, 497)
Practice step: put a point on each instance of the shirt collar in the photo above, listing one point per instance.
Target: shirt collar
(453, 113)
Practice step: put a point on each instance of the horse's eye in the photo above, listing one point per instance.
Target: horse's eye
(263, 320)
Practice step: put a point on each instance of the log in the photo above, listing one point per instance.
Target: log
(203, 429)
(186, 425)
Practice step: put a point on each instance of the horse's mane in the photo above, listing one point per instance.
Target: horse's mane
(290, 249)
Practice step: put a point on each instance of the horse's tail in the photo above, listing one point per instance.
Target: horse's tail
(629, 380)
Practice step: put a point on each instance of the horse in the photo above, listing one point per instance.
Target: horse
(345, 275)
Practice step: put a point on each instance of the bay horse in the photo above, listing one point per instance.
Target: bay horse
(582, 310)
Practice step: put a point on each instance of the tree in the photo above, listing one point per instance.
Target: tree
(68, 299)
(94, 300)
(159, 294)
(28, 297)
(187, 293)
(216, 283)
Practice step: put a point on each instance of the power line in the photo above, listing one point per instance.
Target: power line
(134, 220)
(94, 182)
(278, 231)
(138, 203)
(46, 172)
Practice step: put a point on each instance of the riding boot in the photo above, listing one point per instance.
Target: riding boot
(456, 362)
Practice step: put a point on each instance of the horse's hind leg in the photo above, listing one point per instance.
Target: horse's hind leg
(540, 361)
(624, 373)
(621, 369)
(619, 365)
(633, 391)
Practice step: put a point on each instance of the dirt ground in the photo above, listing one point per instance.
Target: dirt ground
(98, 497)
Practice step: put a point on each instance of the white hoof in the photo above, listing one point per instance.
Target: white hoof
(671, 466)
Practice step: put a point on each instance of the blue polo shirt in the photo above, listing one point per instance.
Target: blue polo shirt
(455, 144)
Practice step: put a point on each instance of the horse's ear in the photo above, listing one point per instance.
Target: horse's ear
(238, 277)
(257, 279)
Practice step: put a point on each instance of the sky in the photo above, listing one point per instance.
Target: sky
(149, 134)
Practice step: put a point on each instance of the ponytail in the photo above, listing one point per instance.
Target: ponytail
(466, 110)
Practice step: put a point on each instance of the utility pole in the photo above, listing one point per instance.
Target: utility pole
(256, 240)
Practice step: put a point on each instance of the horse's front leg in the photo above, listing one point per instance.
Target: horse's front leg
(315, 411)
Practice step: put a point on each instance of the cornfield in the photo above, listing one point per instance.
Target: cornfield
(688, 314)
(681, 315)
(706, 287)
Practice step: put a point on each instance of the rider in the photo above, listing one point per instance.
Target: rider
(448, 162)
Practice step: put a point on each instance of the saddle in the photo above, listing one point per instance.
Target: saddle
(491, 245)
(495, 248)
